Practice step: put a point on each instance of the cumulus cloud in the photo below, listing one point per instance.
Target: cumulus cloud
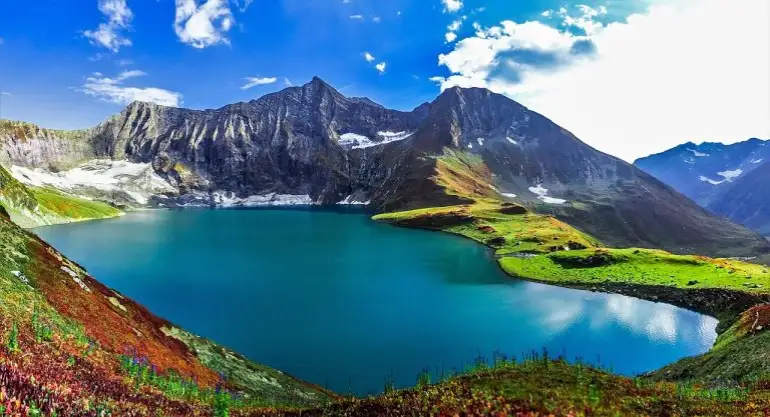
(635, 86)
(369, 57)
(452, 6)
(113, 90)
(381, 67)
(255, 81)
(203, 24)
(109, 34)
(453, 27)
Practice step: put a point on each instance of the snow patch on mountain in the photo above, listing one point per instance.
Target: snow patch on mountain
(351, 201)
(138, 181)
(480, 141)
(730, 175)
(228, 199)
(696, 153)
(356, 141)
(542, 195)
(509, 139)
(710, 181)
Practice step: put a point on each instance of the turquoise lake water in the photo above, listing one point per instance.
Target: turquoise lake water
(334, 298)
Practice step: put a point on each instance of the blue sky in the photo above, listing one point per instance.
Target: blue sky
(59, 71)
(46, 58)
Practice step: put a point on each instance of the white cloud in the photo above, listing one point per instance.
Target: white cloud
(255, 81)
(130, 74)
(452, 6)
(357, 17)
(5, 93)
(124, 62)
(586, 20)
(112, 90)
(453, 27)
(203, 25)
(376, 19)
(645, 85)
(369, 57)
(108, 35)
(381, 67)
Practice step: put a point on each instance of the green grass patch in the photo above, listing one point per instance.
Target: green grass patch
(508, 228)
(70, 207)
(640, 266)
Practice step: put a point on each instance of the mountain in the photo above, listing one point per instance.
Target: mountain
(546, 166)
(703, 172)
(747, 201)
(312, 144)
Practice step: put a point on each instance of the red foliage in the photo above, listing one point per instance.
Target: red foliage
(112, 327)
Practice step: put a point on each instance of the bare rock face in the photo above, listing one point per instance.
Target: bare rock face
(25, 144)
(315, 144)
(290, 142)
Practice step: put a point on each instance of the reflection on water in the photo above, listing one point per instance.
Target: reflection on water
(656, 321)
(345, 302)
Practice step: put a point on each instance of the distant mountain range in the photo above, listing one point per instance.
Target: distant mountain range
(731, 180)
(311, 144)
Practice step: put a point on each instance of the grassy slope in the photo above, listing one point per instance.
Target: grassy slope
(57, 205)
(540, 386)
(38, 206)
(66, 336)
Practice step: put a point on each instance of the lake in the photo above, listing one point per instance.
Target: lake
(334, 298)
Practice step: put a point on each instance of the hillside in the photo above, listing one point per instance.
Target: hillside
(72, 346)
(311, 144)
(747, 201)
(40, 206)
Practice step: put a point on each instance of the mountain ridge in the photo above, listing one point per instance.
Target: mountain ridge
(310, 143)
(725, 179)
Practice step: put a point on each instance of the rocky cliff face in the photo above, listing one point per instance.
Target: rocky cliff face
(306, 140)
(312, 141)
(25, 144)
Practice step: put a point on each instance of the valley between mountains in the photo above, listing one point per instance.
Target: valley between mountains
(472, 163)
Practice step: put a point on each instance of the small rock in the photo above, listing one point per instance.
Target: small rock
(692, 282)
